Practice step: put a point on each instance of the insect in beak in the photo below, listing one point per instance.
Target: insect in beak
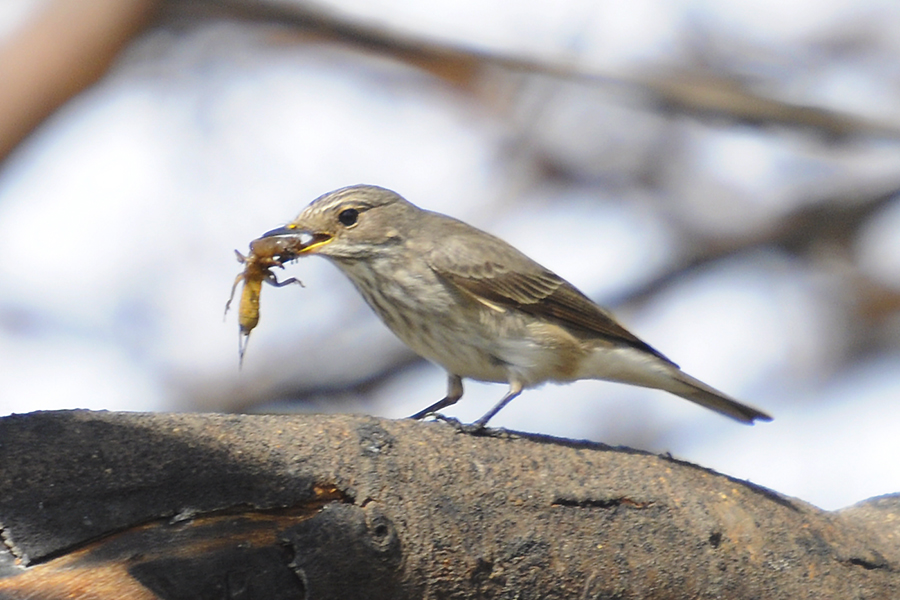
(307, 241)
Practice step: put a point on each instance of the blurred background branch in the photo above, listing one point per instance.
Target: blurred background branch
(68, 45)
(61, 50)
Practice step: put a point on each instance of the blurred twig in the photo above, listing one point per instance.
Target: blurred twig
(71, 44)
(694, 92)
(62, 50)
(831, 223)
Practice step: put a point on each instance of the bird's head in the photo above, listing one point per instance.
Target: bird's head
(350, 223)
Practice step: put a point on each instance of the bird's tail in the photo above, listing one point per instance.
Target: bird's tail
(638, 367)
(689, 388)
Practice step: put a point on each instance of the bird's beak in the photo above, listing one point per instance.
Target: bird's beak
(310, 241)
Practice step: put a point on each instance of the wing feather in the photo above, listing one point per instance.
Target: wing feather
(511, 280)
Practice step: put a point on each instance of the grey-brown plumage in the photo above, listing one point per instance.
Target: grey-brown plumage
(475, 305)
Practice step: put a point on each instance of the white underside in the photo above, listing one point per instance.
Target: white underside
(627, 365)
(532, 365)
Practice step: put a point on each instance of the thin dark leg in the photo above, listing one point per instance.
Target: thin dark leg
(454, 393)
(515, 388)
(272, 280)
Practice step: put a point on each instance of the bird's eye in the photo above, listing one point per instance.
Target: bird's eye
(348, 216)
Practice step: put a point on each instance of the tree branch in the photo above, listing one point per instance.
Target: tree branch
(107, 505)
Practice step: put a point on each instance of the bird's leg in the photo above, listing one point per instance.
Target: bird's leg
(515, 388)
(454, 393)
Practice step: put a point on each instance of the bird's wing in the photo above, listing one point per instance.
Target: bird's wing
(497, 274)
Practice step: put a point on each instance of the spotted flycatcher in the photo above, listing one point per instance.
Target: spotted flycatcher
(478, 307)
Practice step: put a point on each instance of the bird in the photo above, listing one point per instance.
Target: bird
(478, 307)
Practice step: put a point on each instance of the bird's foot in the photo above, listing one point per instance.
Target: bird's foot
(468, 428)
(449, 420)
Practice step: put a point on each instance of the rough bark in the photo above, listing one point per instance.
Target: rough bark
(123, 505)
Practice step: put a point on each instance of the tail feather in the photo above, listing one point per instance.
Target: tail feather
(695, 390)
(634, 366)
